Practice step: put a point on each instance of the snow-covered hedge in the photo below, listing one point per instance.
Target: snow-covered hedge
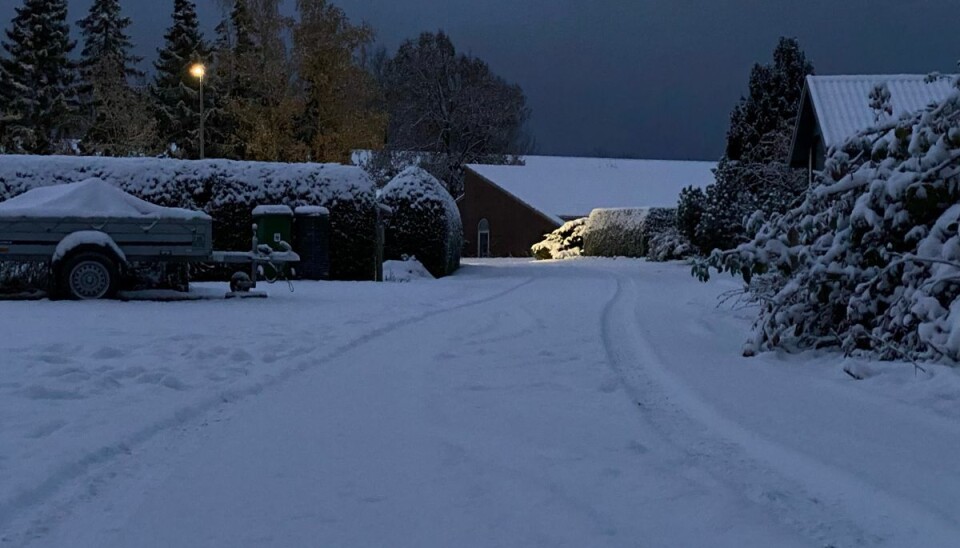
(871, 259)
(424, 223)
(563, 243)
(615, 233)
(227, 191)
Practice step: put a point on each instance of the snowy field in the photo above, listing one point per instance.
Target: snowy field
(583, 403)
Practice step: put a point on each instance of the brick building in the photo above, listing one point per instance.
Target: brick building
(507, 209)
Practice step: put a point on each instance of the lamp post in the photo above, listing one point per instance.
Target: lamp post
(198, 71)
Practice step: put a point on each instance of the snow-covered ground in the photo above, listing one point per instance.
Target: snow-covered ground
(578, 403)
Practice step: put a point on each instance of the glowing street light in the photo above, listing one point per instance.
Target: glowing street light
(198, 71)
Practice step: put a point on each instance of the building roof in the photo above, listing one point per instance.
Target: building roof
(564, 187)
(841, 103)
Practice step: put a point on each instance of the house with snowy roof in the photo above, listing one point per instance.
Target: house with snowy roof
(507, 209)
(836, 108)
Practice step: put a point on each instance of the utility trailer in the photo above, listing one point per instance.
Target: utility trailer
(90, 231)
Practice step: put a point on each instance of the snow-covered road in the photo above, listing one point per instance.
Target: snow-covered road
(585, 403)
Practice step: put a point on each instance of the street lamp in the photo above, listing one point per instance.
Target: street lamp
(197, 70)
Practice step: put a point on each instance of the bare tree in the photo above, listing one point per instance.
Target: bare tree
(451, 109)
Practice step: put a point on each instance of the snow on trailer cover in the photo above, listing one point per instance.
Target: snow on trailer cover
(33, 224)
(88, 230)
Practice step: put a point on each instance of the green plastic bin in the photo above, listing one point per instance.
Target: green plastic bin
(274, 225)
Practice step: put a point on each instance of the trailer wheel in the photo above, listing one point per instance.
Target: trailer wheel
(88, 275)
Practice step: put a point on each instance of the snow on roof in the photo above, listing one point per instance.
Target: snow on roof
(262, 210)
(563, 187)
(312, 211)
(842, 102)
(91, 198)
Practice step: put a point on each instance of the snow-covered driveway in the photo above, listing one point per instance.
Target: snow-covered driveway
(587, 403)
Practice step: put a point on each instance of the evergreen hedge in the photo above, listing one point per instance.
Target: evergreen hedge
(424, 223)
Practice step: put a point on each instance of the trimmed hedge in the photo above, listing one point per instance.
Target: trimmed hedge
(615, 233)
(227, 191)
(425, 222)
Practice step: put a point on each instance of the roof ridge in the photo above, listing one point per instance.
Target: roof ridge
(871, 77)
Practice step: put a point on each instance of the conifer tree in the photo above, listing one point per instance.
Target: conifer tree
(119, 117)
(40, 79)
(104, 32)
(753, 175)
(239, 60)
(175, 91)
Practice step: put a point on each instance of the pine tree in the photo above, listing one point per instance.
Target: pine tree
(767, 113)
(118, 119)
(175, 90)
(753, 175)
(105, 36)
(239, 59)
(42, 93)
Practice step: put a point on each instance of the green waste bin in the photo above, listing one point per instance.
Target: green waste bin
(274, 225)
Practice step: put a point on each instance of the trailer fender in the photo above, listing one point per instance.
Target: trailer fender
(87, 240)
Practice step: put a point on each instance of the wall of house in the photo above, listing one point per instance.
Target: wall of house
(514, 226)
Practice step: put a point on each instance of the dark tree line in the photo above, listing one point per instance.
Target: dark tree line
(308, 88)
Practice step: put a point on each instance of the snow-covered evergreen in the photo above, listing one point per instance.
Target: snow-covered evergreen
(870, 260)
(175, 90)
(425, 222)
(752, 175)
(105, 37)
(563, 243)
(119, 118)
(39, 78)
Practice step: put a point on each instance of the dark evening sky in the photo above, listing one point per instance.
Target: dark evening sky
(645, 78)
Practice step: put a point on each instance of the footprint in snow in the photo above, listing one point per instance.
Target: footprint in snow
(45, 429)
(108, 353)
(39, 392)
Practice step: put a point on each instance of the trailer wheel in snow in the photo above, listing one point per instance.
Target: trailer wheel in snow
(88, 275)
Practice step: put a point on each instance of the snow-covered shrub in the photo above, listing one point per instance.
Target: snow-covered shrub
(870, 260)
(615, 233)
(690, 210)
(227, 191)
(668, 245)
(563, 243)
(662, 240)
(425, 222)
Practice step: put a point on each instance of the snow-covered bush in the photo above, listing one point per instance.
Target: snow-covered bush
(615, 233)
(662, 240)
(425, 222)
(563, 243)
(690, 210)
(870, 260)
(227, 191)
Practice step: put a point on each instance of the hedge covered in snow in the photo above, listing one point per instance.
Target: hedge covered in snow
(615, 233)
(227, 191)
(424, 223)
(563, 243)
(870, 261)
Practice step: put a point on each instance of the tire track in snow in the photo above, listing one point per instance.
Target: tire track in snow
(95, 464)
(822, 503)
